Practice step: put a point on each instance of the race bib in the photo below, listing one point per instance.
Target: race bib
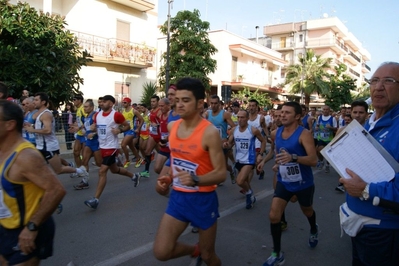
(243, 144)
(185, 166)
(144, 127)
(153, 130)
(4, 211)
(87, 125)
(290, 172)
(102, 131)
(164, 136)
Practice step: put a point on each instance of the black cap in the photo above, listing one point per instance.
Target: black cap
(78, 96)
(109, 98)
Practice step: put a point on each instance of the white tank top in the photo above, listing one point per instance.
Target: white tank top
(245, 145)
(105, 124)
(256, 123)
(46, 142)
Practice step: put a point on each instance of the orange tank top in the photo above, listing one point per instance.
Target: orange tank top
(188, 154)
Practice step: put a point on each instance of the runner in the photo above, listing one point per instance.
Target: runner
(164, 152)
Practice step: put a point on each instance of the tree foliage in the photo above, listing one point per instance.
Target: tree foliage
(341, 86)
(149, 89)
(244, 95)
(38, 54)
(309, 76)
(190, 49)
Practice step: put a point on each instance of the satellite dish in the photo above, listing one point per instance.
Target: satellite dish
(325, 15)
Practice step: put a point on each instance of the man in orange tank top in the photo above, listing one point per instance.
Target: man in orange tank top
(196, 170)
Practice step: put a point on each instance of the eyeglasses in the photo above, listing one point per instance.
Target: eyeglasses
(385, 81)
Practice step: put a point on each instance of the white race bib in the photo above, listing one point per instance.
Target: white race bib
(153, 130)
(290, 172)
(102, 131)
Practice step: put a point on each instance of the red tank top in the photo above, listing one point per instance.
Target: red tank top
(188, 154)
(163, 130)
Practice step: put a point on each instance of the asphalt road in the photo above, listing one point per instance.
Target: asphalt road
(122, 230)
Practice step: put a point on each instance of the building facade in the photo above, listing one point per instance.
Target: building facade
(121, 36)
(327, 37)
(242, 63)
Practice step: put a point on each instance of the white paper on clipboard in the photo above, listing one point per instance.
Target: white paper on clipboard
(354, 148)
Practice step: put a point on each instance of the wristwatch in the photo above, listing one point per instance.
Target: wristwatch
(32, 226)
(294, 157)
(365, 193)
(195, 179)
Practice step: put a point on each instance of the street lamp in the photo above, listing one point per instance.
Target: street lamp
(167, 69)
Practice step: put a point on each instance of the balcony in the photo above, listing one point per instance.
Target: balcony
(115, 51)
(365, 68)
(353, 72)
(331, 43)
(141, 5)
(282, 46)
(349, 58)
(355, 57)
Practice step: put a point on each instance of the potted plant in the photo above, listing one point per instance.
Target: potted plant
(240, 78)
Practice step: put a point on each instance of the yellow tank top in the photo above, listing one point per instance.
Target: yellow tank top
(80, 114)
(18, 200)
(129, 115)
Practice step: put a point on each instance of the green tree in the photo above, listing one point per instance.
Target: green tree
(38, 54)
(244, 95)
(149, 89)
(190, 49)
(309, 76)
(341, 86)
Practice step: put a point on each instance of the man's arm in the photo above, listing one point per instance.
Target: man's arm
(227, 118)
(43, 177)
(230, 142)
(263, 125)
(306, 139)
(124, 125)
(140, 118)
(270, 154)
(47, 120)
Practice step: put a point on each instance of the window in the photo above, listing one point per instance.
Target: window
(300, 37)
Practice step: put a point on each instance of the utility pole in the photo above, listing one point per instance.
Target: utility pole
(167, 69)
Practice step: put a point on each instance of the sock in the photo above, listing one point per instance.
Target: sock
(79, 171)
(283, 217)
(248, 192)
(312, 222)
(276, 234)
(147, 162)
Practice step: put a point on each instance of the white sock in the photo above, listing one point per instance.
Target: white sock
(248, 192)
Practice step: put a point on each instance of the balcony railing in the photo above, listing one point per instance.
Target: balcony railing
(354, 72)
(112, 49)
(366, 66)
(354, 56)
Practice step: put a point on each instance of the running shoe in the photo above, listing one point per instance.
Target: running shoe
(250, 201)
(283, 225)
(139, 162)
(136, 179)
(273, 260)
(145, 174)
(194, 230)
(126, 164)
(81, 185)
(327, 169)
(320, 165)
(340, 188)
(262, 175)
(59, 209)
(92, 203)
(73, 175)
(314, 238)
(72, 164)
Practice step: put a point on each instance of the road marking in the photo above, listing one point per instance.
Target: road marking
(122, 258)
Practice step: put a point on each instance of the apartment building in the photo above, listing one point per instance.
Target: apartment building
(328, 37)
(121, 36)
(242, 63)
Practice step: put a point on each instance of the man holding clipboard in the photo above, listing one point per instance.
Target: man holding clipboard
(377, 242)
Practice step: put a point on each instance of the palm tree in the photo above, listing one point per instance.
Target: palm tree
(309, 76)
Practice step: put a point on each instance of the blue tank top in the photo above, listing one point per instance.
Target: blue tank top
(292, 146)
(88, 121)
(305, 122)
(29, 136)
(172, 117)
(219, 123)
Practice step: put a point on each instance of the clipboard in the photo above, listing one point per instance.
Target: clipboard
(356, 149)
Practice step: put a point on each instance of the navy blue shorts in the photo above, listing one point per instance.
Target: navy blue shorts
(239, 166)
(82, 139)
(93, 145)
(199, 208)
(305, 196)
(109, 160)
(49, 154)
(44, 243)
(166, 154)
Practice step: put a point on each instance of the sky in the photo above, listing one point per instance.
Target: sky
(374, 23)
